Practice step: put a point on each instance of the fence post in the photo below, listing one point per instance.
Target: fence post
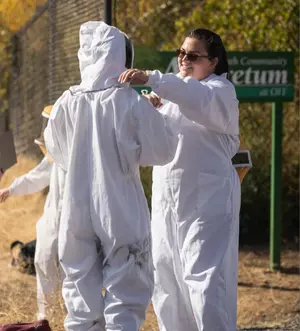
(108, 12)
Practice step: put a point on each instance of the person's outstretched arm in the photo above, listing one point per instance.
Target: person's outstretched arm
(211, 103)
(34, 181)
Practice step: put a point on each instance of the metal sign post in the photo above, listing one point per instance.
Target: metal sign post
(268, 77)
(276, 186)
(259, 77)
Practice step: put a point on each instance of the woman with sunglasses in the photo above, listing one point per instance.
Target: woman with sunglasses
(196, 197)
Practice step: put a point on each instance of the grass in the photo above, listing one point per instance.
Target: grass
(266, 299)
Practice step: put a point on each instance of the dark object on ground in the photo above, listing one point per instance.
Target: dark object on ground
(22, 256)
(42, 325)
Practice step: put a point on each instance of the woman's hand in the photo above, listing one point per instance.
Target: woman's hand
(154, 99)
(134, 77)
(4, 195)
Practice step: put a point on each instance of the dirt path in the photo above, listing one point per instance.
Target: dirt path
(267, 301)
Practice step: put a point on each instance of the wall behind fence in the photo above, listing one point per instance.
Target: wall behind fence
(65, 19)
(45, 64)
(29, 82)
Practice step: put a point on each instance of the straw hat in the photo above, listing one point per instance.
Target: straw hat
(40, 140)
(47, 111)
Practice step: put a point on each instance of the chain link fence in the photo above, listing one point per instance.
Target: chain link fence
(29, 81)
(45, 64)
(65, 18)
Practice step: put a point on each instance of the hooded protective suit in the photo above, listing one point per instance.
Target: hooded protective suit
(195, 207)
(100, 132)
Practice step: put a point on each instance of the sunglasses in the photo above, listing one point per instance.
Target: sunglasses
(190, 56)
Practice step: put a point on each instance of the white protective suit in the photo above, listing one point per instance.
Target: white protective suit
(48, 275)
(100, 133)
(195, 207)
(48, 272)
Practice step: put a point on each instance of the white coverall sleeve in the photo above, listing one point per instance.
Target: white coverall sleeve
(157, 141)
(34, 181)
(55, 135)
(212, 104)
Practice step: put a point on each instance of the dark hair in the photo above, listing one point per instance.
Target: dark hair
(214, 47)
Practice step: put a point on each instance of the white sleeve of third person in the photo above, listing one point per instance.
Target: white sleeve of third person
(157, 141)
(211, 103)
(34, 181)
(56, 135)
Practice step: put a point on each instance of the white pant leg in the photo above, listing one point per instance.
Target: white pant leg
(82, 264)
(171, 297)
(209, 254)
(128, 281)
(48, 271)
(231, 258)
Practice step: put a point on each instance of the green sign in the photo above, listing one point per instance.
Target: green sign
(262, 76)
(141, 89)
(257, 76)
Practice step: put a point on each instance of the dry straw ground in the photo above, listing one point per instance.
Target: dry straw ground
(265, 299)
